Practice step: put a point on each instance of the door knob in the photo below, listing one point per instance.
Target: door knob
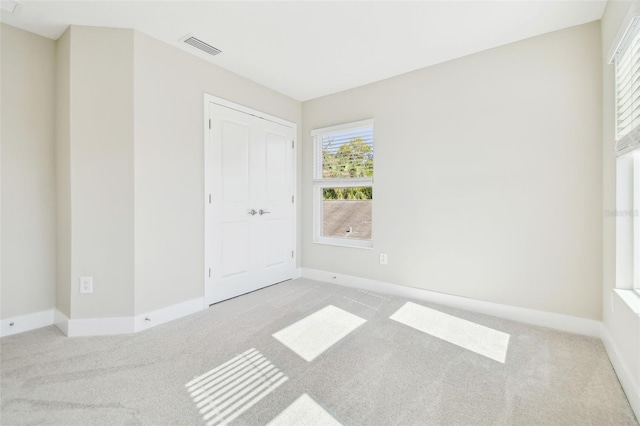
(253, 212)
(263, 212)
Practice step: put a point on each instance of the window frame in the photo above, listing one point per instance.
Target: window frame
(319, 184)
(635, 250)
(627, 151)
(627, 217)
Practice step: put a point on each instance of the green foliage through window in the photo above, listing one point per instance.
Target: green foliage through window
(355, 193)
(353, 159)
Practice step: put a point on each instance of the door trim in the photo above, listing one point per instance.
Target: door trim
(208, 182)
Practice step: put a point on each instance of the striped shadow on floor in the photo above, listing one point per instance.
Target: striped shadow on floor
(227, 391)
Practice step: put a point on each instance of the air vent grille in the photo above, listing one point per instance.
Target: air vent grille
(11, 6)
(199, 44)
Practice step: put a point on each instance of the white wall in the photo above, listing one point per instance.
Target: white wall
(487, 175)
(620, 321)
(28, 174)
(169, 166)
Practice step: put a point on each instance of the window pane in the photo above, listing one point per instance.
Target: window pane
(628, 86)
(347, 154)
(346, 212)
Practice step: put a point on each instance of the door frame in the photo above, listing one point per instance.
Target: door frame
(208, 183)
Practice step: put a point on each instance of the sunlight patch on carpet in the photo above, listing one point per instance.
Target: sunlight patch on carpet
(313, 335)
(482, 340)
(304, 411)
(225, 392)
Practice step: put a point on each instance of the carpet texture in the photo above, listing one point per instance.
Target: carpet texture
(224, 365)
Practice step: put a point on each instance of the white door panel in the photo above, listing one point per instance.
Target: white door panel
(234, 248)
(277, 171)
(277, 250)
(252, 172)
(233, 161)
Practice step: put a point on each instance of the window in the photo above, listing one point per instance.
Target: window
(627, 60)
(343, 184)
(626, 56)
(627, 221)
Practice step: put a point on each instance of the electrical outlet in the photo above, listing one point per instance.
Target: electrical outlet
(383, 258)
(86, 284)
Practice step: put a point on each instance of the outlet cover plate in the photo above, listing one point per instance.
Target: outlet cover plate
(86, 284)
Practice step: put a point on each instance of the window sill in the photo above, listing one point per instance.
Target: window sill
(631, 298)
(359, 244)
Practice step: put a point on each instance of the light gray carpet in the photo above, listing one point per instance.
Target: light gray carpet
(382, 373)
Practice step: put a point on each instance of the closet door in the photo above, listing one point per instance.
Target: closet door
(251, 210)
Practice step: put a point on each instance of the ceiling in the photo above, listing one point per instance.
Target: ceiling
(308, 49)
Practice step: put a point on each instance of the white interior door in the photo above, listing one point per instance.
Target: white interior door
(251, 203)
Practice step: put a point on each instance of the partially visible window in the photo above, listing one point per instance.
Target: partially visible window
(626, 56)
(635, 214)
(627, 62)
(343, 184)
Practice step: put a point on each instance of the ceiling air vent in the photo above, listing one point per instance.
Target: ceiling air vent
(199, 44)
(13, 7)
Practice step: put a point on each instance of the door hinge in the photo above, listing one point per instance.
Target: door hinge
(209, 272)
(209, 123)
(209, 198)
(292, 198)
(292, 144)
(292, 254)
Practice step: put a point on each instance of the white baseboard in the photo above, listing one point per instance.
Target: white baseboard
(170, 313)
(530, 316)
(631, 388)
(124, 325)
(101, 326)
(297, 273)
(61, 321)
(27, 322)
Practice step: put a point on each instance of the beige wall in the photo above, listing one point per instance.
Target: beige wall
(130, 153)
(169, 170)
(620, 320)
(487, 175)
(510, 215)
(63, 174)
(28, 173)
(101, 171)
